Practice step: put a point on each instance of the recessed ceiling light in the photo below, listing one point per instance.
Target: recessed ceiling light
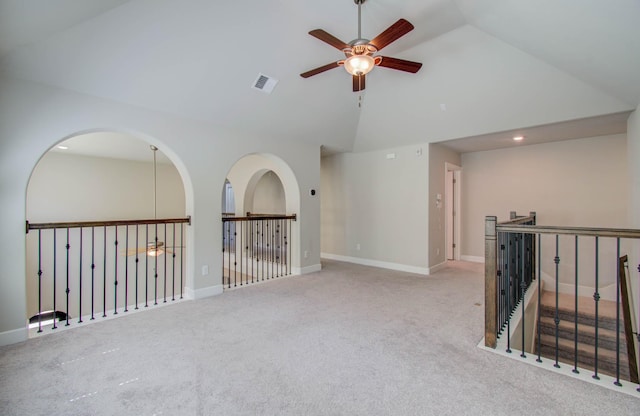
(63, 147)
(518, 138)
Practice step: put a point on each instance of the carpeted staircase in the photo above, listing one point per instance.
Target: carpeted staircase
(586, 333)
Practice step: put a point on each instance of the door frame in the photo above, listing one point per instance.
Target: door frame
(452, 206)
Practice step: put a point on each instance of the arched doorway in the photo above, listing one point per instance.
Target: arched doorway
(268, 196)
(260, 242)
(98, 241)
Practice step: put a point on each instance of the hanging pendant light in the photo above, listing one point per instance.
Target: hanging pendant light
(155, 249)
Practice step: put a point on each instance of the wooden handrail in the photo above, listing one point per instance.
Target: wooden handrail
(261, 217)
(626, 314)
(580, 231)
(78, 224)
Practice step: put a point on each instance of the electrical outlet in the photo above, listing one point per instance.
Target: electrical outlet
(306, 254)
(205, 270)
(358, 246)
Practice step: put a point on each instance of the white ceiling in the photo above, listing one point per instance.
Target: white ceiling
(113, 145)
(497, 65)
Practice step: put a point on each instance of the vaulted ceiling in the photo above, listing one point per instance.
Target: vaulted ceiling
(489, 66)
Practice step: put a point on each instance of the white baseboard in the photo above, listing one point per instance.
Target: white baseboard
(306, 270)
(14, 336)
(606, 292)
(205, 292)
(377, 263)
(473, 259)
(437, 267)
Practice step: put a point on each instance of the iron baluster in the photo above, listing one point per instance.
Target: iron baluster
(146, 269)
(224, 246)
(556, 260)
(508, 281)
(539, 293)
(115, 271)
(104, 274)
(182, 257)
(173, 266)
(93, 269)
(55, 274)
(137, 264)
(155, 267)
(575, 331)
(126, 269)
(617, 382)
(165, 264)
(40, 281)
(67, 290)
(596, 298)
(235, 252)
(80, 282)
(522, 290)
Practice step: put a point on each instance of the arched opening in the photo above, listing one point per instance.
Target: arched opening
(228, 199)
(98, 241)
(267, 196)
(261, 241)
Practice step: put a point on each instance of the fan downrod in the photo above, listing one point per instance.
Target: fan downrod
(358, 2)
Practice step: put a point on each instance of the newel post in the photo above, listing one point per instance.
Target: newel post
(490, 282)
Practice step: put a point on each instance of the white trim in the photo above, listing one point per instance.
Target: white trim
(14, 336)
(306, 270)
(205, 292)
(473, 259)
(377, 263)
(606, 292)
(437, 267)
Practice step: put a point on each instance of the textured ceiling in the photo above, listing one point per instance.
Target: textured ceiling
(496, 65)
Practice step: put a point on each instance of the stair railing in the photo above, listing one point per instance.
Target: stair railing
(256, 248)
(86, 268)
(502, 274)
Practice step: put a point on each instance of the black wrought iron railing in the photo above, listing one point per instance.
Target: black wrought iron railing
(584, 316)
(80, 270)
(515, 270)
(256, 248)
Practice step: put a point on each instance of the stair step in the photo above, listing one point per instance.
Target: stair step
(586, 333)
(607, 318)
(586, 355)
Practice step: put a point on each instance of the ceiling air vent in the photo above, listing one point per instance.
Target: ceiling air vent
(264, 83)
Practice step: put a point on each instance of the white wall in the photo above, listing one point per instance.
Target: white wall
(438, 157)
(33, 118)
(269, 196)
(571, 183)
(378, 203)
(67, 187)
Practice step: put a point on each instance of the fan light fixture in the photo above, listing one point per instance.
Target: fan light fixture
(359, 64)
(360, 53)
(154, 250)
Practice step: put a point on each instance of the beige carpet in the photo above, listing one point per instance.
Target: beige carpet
(350, 340)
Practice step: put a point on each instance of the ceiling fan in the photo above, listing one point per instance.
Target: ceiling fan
(359, 53)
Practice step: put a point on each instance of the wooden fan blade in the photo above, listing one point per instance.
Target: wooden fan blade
(358, 82)
(319, 70)
(328, 38)
(393, 33)
(400, 64)
(133, 251)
